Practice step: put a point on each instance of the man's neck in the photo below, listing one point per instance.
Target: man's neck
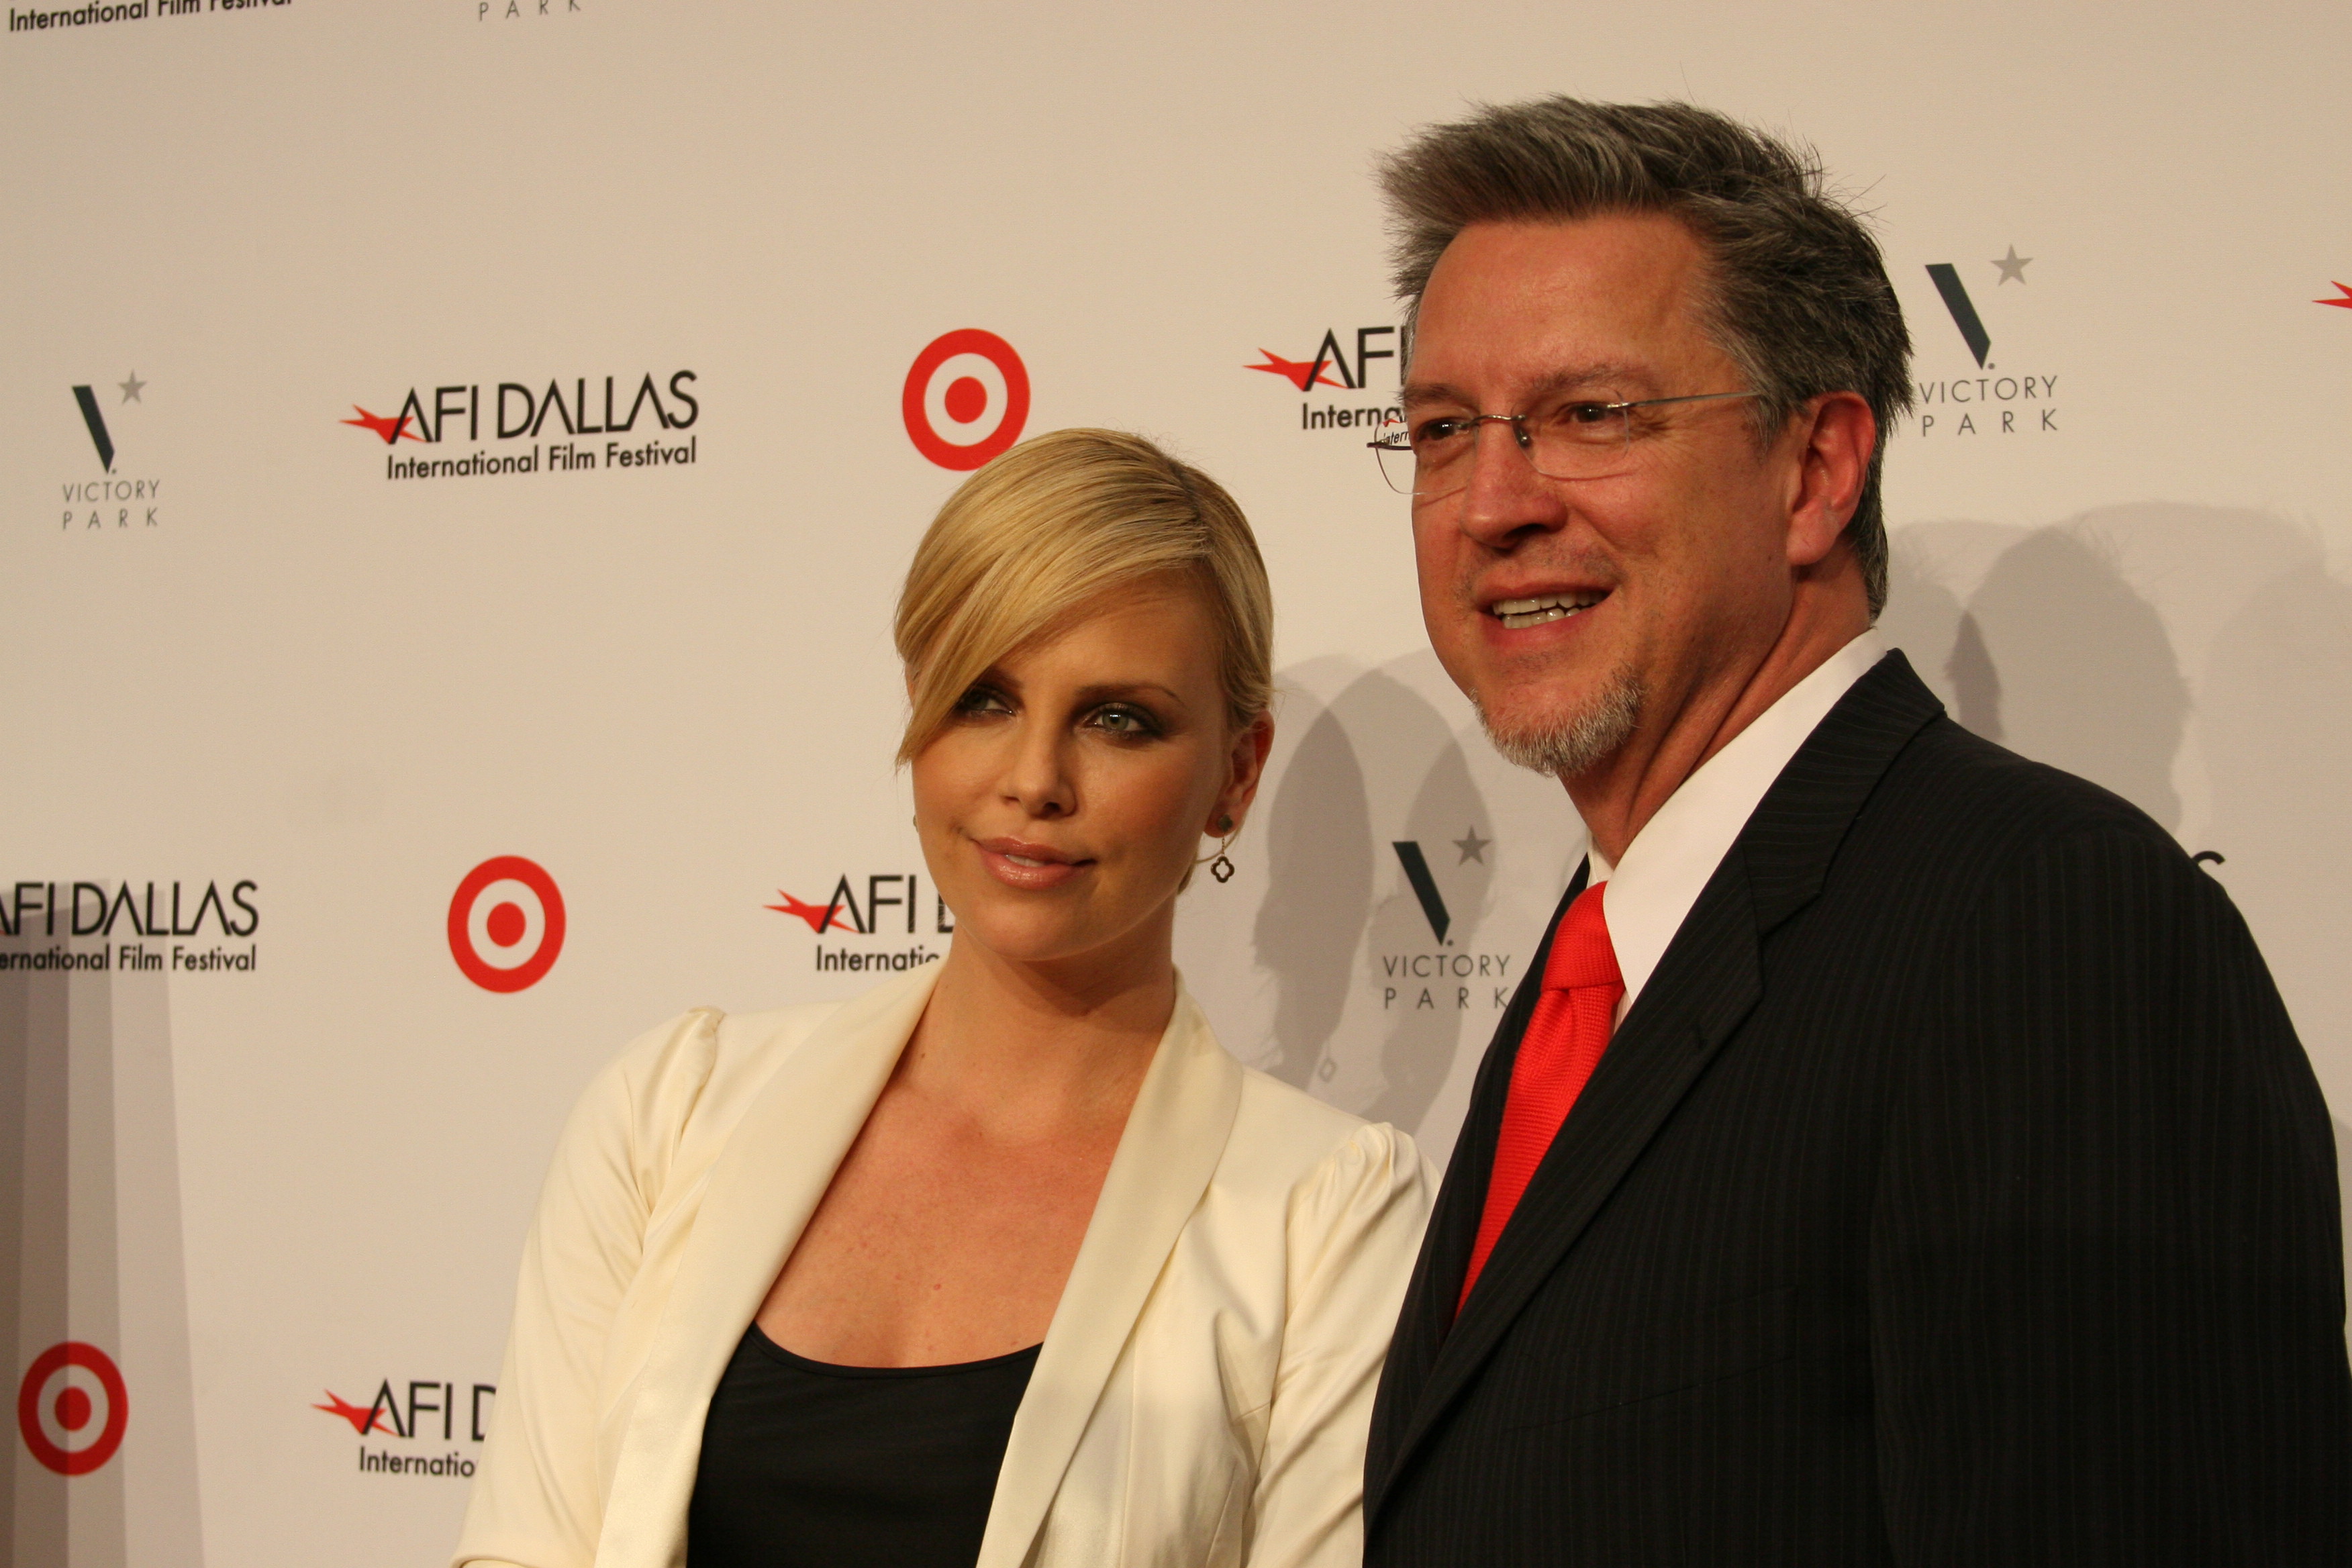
(1618, 796)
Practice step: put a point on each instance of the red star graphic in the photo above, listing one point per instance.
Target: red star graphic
(364, 1420)
(820, 918)
(2346, 302)
(1301, 375)
(390, 429)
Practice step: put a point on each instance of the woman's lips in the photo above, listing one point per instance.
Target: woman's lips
(1031, 866)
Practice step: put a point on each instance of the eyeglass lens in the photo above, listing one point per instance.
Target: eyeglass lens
(1584, 439)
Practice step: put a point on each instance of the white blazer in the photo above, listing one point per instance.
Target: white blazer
(1204, 1388)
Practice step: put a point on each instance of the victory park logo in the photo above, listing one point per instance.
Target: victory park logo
(1443, 975)
(115, 497)
(1331, 367)
(512, 430)
(1996, 402)
(438, 1414)
(892, 908)
(520, 10)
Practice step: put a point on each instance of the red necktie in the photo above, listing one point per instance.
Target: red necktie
(1565, 1036)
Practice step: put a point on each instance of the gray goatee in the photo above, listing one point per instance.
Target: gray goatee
(1566, 746)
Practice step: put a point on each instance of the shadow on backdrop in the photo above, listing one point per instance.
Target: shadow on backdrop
(2069, 644)
(2057, 657)
(1319, 864)
(2276, 726)
(1447, 812)
(90, 1202)
(1327, 855)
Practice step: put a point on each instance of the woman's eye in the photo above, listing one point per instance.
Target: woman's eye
(983, 700)
(1124, 722)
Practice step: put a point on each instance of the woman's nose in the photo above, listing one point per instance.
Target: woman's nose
(1038, 774)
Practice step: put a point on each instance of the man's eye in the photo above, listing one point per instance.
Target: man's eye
(1437, 432)
(1585, 414)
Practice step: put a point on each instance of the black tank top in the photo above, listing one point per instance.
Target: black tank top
(808, 1465)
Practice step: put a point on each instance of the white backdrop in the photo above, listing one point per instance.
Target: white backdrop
(285, 1200)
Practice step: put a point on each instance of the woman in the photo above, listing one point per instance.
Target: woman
(1007, 1262)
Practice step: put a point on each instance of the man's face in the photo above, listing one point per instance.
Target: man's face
(1678, 556)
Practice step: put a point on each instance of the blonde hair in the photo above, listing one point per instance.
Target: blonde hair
(1049, 525)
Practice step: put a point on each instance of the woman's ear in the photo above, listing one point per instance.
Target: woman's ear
(1246, 765)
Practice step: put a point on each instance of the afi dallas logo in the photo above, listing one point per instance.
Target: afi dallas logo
(1442, 977)
(506, 925)
(966, 399)
(1331, 367)
(1998, 402)
(72, 1408)
(56, 914)
(2343, 300)
(892, 908)
(637, 418)
(437, 1412)
(111, 501)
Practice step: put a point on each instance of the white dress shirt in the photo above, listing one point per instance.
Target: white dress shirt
(1671, 858)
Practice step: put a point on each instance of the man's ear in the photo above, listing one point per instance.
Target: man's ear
(1836, 434)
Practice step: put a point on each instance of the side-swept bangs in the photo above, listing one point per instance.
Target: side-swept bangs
(1048, 527)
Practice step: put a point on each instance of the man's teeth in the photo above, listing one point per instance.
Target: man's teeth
(1516, 613)
(1024, 860)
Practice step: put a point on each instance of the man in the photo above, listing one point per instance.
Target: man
(1898, 1152)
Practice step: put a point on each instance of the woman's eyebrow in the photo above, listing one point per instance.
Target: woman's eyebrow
(1103, 693)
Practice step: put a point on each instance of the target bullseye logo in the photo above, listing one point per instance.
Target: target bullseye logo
(72, 1407)
(506, 924)
(967, 398)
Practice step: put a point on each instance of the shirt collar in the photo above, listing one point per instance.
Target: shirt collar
(1670, 860)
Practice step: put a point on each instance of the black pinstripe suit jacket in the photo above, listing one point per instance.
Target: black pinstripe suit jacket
(1955, 1191)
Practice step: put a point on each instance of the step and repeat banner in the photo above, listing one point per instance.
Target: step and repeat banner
(460, 459)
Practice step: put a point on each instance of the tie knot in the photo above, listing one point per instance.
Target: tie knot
(1581, 952)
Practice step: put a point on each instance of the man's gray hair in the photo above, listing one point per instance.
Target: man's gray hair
(1797, 295)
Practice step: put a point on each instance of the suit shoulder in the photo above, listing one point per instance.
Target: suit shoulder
(1953, 791)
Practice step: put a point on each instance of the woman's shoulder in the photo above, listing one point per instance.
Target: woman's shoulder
(700, 1067)
(1279, 1125)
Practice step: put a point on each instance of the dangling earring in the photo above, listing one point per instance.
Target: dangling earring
(1221, 867)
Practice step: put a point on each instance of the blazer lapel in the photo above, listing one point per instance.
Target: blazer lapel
(778, 1162)
(1706, 984)
(1175, 1137)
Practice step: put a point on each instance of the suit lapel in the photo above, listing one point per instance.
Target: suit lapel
(1708, 979)
(1174, 1139)
(1428, 1313)
(778, 1162)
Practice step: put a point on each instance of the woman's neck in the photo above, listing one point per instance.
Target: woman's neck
(1033, 1048)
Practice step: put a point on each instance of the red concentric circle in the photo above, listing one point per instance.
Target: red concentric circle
(506, 924)
(983, 421)
(52, 1395)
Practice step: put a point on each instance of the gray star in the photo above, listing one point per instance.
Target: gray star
(131, 388)
(1472, 848)
(2012, 266)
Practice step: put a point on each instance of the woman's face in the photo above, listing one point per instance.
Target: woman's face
(1067, 798)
